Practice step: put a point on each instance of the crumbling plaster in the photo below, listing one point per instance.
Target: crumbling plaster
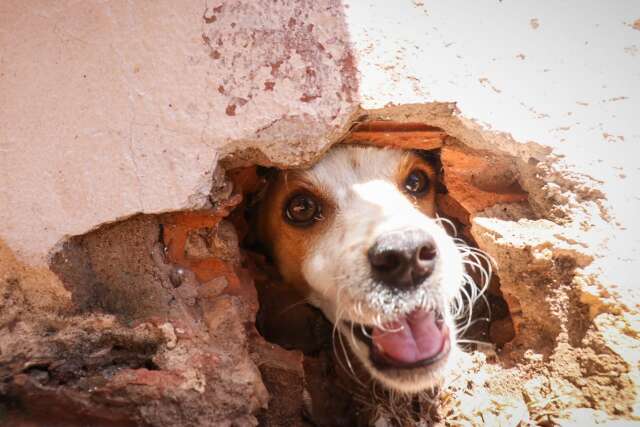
(552, 82)
(109, 109)
(113, 108)
(556, 86)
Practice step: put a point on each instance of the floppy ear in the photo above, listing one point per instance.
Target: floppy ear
(252, 208)
(266, 175)
(433, 158)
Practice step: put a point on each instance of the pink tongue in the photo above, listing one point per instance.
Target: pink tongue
(411, 338)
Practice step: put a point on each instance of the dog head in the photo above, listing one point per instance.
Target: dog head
(357, 235)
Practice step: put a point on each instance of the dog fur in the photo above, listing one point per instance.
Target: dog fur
(362, 196)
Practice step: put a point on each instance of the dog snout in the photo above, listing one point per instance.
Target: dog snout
(403, 260)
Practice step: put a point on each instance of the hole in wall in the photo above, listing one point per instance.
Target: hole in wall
(176, 266)
(529, 316)
(192, 274)
(286, 320)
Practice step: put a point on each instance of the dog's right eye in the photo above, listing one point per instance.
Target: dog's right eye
(302, 210)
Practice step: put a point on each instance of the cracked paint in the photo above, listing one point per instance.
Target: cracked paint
(136, 102)
(286, 61)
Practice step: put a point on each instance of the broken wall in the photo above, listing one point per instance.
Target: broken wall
(115, 109)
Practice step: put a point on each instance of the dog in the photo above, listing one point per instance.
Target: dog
(358, 236)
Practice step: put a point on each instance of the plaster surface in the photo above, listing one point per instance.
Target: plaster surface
(562, 76)
(114, 108)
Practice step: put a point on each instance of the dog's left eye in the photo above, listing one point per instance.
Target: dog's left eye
(417, 182)
(303, 209)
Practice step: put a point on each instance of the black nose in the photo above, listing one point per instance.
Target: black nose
(404, 259)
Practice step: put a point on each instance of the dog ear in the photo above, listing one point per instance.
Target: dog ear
(266, 175)
(265, 171)
(433, 158)
(252, 209)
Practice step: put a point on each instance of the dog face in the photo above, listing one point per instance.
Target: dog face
(356, 234)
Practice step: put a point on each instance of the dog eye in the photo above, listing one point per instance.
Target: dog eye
(302, 210)
(417, 182)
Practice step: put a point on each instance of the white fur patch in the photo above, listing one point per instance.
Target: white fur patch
(368, 203)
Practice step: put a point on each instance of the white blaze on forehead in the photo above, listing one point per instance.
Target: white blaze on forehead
(382, 194)
(361, 182)
(345, 166)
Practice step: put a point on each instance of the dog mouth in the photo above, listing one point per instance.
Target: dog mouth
(418, 339)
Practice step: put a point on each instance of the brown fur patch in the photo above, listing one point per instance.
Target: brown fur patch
(289, 244)
(411, 161)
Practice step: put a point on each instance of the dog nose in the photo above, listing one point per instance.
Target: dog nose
(403, 260)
